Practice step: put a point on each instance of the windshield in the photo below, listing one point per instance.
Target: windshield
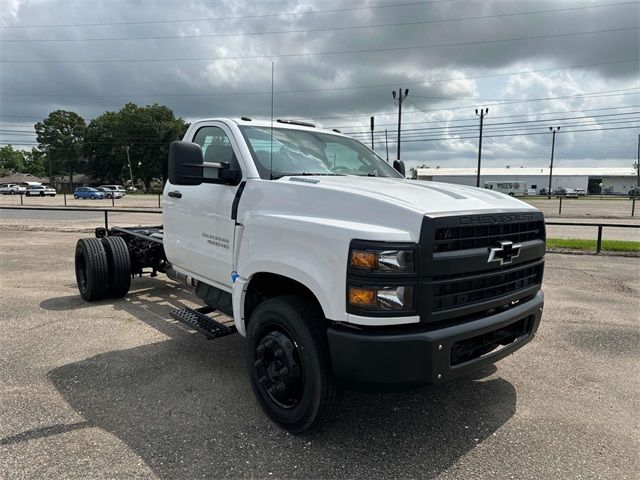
(304, 152)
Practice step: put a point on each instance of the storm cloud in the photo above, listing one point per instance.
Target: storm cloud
(336, 63)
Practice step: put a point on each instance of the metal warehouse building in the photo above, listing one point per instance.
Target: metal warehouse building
(614, 179)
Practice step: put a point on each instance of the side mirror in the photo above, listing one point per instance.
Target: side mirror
(228, 175)
(399, 166)
(185, 163)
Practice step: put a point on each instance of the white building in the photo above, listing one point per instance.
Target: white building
(614, 179)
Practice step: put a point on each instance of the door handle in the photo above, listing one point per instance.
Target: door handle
(175, 194)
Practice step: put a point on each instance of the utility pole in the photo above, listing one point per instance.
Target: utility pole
(129, 163)
(481, 114)
(400, 96)
(553, 131)
(638, 163)
(372, 145)
(386, 143)
(49, 159)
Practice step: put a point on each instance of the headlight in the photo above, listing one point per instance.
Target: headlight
(382, 298)
(383, 260)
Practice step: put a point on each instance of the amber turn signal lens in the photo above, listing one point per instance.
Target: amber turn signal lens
(362, 296)
(364, 259)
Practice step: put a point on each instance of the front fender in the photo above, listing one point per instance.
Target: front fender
(310, 250)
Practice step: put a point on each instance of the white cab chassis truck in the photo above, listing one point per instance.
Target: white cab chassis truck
(337, 270)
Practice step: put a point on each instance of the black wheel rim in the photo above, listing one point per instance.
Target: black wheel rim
(279, 367)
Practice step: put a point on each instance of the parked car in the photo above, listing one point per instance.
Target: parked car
(530, 192)
(581, 192)
(12, 189)
(88, 192)
(112, 191)
(40, 191)
(634, 192)
(543, 191)
(566, 192)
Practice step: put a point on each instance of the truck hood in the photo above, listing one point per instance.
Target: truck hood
(422, 196)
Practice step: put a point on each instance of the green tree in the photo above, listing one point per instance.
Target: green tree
(36, 163)
(146, 131)
(11, 160)
(61, 135)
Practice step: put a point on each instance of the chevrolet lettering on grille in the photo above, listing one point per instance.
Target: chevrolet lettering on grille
(504, 253)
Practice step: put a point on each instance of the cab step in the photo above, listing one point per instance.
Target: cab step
(197, 319)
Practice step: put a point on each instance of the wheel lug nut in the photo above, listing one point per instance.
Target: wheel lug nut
(283, 371)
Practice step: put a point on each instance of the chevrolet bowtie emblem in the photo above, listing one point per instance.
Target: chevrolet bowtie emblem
(504, 253)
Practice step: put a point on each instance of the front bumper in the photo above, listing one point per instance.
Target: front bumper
(417, 357)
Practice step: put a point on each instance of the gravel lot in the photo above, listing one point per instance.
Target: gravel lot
(118, 389)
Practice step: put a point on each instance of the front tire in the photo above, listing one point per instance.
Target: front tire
(93, 197)
(76, 197)
(119, 263)
(92, 270)
(289, 363)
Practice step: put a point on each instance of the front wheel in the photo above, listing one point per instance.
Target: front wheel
(76, 197)
(93, 197)
(289, 363)
(13, 192)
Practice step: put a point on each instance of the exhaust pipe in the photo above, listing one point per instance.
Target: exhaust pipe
(181, 277)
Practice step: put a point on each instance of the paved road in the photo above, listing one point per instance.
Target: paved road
(66, 220)
(118, 389)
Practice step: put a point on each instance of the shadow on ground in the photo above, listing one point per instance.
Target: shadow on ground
(185, 407)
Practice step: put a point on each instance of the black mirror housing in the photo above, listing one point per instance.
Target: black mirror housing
(230, 176)
(399, 166)
(185, 163)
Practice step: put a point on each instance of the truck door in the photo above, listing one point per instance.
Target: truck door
(199, 230)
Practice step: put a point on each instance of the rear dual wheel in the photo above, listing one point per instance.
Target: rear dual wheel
(103, 268)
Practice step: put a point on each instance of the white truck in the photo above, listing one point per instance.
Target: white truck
(515, 188)
(12, 189)
(339, 272)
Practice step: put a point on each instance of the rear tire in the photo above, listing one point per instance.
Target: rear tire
(92, 272)
(289, 363)
(42, 194)
(119, 263)
(76, 197)
(93, 197)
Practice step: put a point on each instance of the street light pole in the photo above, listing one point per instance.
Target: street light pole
(372, 145)
(386, 143)
(553, 131)
(129, 163)
(481, 114)
(400, 96)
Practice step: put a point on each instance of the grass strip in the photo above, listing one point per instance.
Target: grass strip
(583, 244)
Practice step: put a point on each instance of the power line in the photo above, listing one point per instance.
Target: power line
(522, 134)
(312, 54)
(238, 17)
(503, 116)
(589, 95)
(545, 120)
(295, 91)
(321, 29)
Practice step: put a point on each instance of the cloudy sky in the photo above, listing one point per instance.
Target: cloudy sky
(533, 63)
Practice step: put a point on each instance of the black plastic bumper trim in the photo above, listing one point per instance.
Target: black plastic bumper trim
(421, 357)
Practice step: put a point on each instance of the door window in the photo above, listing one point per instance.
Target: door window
(216, 148)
